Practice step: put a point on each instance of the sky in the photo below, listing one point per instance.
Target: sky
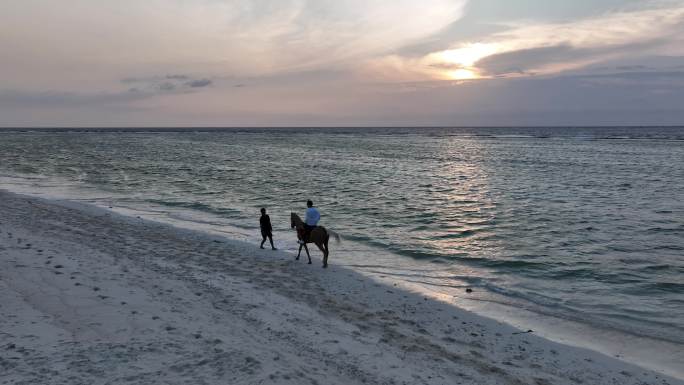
(341, 63)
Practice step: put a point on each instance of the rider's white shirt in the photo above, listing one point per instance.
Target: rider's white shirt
(312, 216)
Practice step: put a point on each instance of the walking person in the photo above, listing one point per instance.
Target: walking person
(266, 229)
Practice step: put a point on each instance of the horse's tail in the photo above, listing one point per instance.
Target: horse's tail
(335, 235)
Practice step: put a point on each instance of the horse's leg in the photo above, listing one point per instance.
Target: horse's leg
(299, 252)
(325, 254)
(307, 252)
(323, 247)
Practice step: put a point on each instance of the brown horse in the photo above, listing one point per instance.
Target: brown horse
(318, 236)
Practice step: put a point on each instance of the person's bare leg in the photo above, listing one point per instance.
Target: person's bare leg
(270, 238)
(262, 242)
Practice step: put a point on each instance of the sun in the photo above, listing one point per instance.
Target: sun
(460, 63)
(462, 74)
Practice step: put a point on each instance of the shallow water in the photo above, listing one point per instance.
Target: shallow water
(583, 224)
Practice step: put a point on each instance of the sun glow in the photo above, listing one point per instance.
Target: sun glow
(460, 63)
(462, 74)
(468, 54)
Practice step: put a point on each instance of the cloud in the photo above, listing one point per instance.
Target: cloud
(517, 62)
(631, 67)
(54, 99)
(96, 40)
(328, 32)
(535, 60)
(166, 84)
(199, 83)
(538, 49)
(646, 79)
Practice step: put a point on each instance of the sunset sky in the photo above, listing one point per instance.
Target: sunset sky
(341, 63)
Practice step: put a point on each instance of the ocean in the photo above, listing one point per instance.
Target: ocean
(577, 229)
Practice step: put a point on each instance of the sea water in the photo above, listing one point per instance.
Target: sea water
(582, 225)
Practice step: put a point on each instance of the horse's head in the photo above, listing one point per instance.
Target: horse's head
(293, 220)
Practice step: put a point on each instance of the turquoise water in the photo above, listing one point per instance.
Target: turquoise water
(585, 224)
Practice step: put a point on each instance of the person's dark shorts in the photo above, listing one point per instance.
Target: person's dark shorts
(307, 230)
(265, 233)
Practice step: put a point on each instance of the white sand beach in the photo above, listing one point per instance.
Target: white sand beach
(88, 296)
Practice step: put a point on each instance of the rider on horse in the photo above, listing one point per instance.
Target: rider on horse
(310, 221)
(309, 232)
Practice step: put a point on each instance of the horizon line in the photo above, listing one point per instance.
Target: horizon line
(2, 128)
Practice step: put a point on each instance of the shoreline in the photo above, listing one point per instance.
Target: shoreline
(164, 286)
